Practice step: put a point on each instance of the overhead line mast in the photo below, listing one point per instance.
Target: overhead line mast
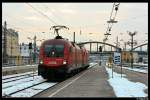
(111, 21)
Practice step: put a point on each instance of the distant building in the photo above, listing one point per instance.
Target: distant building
(126, 56)
(24, 50)
(12, 45)
(2, 39)
(135, 57)
(25, 55)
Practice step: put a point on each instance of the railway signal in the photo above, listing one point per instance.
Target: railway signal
(100, 48)
(30, 45)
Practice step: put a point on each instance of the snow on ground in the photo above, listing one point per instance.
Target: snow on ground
(10, 87)
(140, 64)
(125, 88)
(34, 90)
(136, 69)
(31, 65)
(8, 76)
(17, 78)
(17, 66)
(92, 64)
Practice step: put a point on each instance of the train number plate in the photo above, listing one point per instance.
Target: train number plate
(52, 62)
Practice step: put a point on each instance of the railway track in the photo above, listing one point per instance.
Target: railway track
(11, 78)
(137, 68)
(63, 82)
(26, 87)
(28, 91)
(17, 75)
(18, 78)
(14, 88)
(33, 90)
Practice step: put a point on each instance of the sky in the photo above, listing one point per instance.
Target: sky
(87, 17)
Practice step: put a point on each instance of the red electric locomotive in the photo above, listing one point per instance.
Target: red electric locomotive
(61, 57)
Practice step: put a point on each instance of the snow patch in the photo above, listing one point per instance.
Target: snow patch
(136, 69)
(8, 88)
(34, 90)
(14, 75)
(125, 88)
(92, 64)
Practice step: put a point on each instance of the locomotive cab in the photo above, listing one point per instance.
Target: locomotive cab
(53, 57)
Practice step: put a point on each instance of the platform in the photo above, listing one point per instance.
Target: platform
(90, 83)
(18, 69)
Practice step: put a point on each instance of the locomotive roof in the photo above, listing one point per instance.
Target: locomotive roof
(62, 41)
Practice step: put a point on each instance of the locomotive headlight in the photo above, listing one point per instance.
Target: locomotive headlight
(41, 61)
(64, 62)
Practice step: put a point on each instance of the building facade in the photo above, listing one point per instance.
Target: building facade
(24, 54)
(126, 56)
(2, 40)
(11, 41)
(27, 55)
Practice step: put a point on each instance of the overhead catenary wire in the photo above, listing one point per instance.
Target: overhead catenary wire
(54, 14)
(42, 14)
(55, 24)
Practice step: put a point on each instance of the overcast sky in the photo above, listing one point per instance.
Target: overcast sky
(87, 17)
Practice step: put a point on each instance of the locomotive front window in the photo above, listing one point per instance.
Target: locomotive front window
(59, 50)
(54, 50)
(47, 50)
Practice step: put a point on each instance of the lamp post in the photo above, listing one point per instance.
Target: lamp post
(146, 40)
(125, 44)
(104, 40)
(5, 43)
(30, 54)
(74, 37)
(90, 43)
(132, 42)
(34, 44)
(37, 49)
(11, 49)
(34, 48)
(117, 43)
